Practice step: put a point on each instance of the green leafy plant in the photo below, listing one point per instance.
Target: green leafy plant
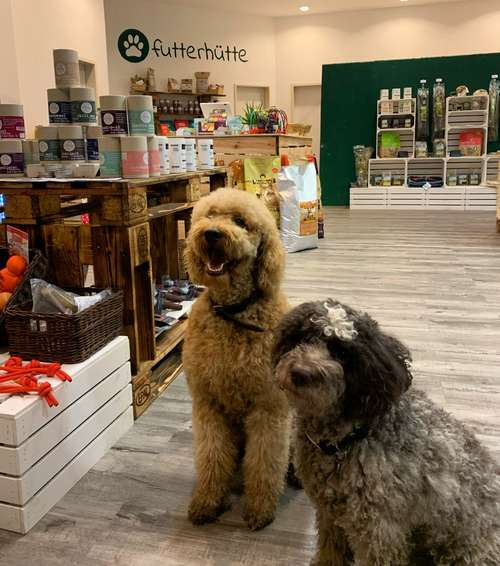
(254, 114)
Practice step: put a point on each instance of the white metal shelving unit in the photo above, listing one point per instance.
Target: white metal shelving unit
(462, 113)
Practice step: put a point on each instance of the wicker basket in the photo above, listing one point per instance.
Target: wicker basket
(64, 338)
(37, 268)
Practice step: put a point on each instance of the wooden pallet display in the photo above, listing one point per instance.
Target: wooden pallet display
(131, 241)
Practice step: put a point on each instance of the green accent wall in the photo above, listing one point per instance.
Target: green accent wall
(349, 106)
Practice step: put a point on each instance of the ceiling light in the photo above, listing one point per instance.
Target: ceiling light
(304, 8)
(404, 0)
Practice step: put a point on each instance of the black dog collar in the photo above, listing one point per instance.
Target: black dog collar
(339, 448)
(228, 312)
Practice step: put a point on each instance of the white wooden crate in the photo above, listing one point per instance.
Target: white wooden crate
(492, 168)
(445, 198)
(23, 415)
(16, 460)
(368, 198)
(404, 198)
(377, 167)
(22, 518)
(427, 167)
(45, 450)
(481, 198)
(465, 166)
(19, 490)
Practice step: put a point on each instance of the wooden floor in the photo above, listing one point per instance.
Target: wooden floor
(431, 278)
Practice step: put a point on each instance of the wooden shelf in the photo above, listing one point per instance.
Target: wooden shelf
(178, 116)
(162, 93)
(396, 129)
(169, 208)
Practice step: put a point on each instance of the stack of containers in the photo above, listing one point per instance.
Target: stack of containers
(70, 139)
(12, 132)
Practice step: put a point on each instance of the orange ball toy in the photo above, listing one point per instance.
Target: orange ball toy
(16, 264)
(8, 281)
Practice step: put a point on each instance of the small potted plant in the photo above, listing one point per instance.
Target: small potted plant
(255, 117)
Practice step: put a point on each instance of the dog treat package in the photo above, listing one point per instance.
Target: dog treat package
(260, 174)
(298, 190)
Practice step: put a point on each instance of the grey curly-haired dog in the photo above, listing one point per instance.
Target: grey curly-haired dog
(395, 479)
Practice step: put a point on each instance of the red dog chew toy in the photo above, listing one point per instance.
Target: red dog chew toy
(18, 379)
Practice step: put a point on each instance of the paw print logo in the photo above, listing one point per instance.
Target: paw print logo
(133, 45)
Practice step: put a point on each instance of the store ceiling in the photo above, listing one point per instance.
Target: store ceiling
(291, 7)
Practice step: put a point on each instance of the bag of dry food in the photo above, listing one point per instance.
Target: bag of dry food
(260, 175)
(298, 191)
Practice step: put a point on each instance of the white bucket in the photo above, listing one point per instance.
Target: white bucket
(135, 160)
(66, 68)
(177, 152)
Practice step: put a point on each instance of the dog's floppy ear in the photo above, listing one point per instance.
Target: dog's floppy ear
(376, 369)
(296, 327)
(270, 262)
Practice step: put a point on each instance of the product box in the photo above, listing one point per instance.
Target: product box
(408, 92)
(385, 107)
(396, 94)
(384, 94)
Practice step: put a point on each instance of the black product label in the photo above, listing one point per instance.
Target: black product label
(83, 111)
(11, 163)
(73, 150)
(92, 150)
(114, 122)
(50, 150)
(59, 113)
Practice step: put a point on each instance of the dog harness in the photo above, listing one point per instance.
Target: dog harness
(340, 448)
(229, 312)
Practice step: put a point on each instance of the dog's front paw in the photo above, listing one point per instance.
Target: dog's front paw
(257, 519)
(202, 510)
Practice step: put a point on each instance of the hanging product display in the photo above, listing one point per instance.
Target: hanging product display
(494, 114)
(423, 112)
(439, 109)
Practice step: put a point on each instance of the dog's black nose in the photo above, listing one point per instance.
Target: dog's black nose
(212, 235)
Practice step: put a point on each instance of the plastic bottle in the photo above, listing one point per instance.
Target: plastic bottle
(439, 114)
(423, 111)
(494, 113)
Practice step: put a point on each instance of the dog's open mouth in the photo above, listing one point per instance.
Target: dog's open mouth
(216, 268)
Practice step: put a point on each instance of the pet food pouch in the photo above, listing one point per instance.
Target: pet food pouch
(298, 190)
(260, 175)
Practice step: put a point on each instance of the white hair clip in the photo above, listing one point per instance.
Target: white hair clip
(336, 322)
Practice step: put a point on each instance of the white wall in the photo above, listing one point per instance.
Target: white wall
(9, 79)
(40, 27)
(305, 43)
(176, 22)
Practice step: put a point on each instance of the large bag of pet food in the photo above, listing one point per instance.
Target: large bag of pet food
(298, 191)
(260, 175)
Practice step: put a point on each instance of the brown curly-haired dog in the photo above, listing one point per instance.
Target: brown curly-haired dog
(239, 413)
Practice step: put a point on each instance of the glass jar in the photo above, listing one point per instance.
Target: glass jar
(362, 156)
